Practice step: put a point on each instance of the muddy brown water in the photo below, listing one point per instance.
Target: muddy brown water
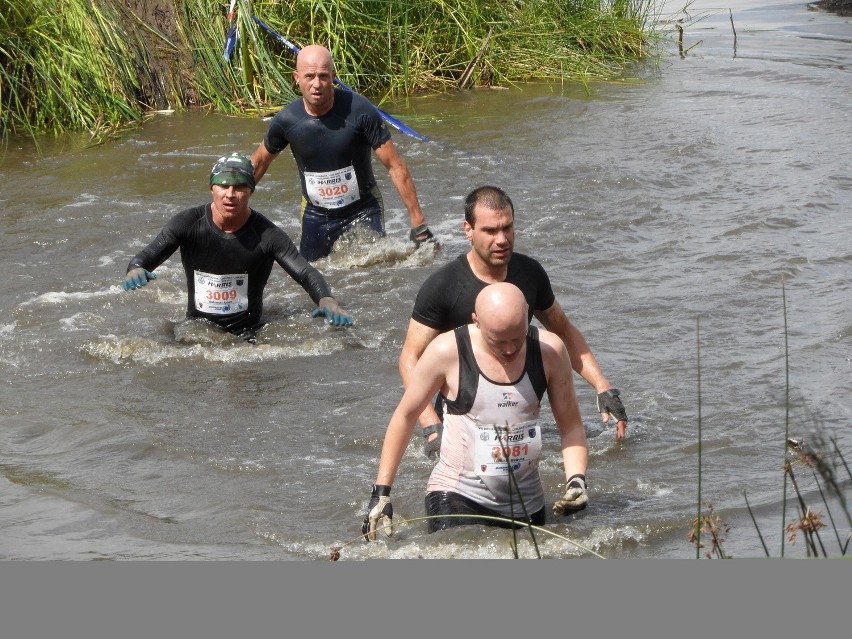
(672, 203)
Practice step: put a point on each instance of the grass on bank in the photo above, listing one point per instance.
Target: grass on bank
(92, 65)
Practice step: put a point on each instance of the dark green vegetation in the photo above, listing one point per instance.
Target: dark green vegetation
(96, 65)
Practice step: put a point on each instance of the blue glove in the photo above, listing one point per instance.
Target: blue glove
(137, 278)
(379, 513)
(329, 308)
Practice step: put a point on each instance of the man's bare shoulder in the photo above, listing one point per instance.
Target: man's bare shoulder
(444, 342)
(552, 346)
(440, 353)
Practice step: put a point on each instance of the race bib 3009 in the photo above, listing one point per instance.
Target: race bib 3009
(221, 294)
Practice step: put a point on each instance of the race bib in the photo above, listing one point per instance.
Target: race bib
(498, 446)
(221, 294)
(334, 189)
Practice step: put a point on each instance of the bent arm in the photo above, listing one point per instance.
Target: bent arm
(563, 405)
(260, 160)
(402, 180)
(582, 360)
(418, 337)
(297, 267)
(163, 246)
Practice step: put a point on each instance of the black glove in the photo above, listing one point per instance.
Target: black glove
(421, 234)
(433, 448)
(379, 513)
(575, 498)
(609, 404)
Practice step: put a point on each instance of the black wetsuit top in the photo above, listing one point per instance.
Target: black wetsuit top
(448, 296)
(204, 247)
(345, 136)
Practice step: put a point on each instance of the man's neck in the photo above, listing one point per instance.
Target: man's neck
(321, 111)
(493, 367)
(230, 225)
(486, 272)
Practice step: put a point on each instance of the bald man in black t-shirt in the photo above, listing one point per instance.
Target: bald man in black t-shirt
(332, 133)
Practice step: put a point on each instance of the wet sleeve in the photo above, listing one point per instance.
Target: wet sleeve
(429, 307)
(165, 244)
(372, 125)
(545, 296)
(275, 139)
(297, 267)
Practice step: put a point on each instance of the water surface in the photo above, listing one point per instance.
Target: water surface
(674, 202)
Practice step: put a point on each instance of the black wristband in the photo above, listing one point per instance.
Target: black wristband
(574, 476)
(433, 428)
(381, 490)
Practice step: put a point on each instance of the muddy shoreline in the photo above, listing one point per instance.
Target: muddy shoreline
(840, 7)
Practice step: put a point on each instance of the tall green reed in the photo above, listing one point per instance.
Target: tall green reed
(96, 64)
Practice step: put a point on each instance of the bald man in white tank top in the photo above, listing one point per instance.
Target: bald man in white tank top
(492, 374)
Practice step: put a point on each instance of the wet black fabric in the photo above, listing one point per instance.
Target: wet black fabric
(450, 503)
(447, 298)
(252, 250)
(345, 136)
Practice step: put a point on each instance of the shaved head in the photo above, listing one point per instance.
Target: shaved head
(501, 309)
(314, 55)
(314, 74)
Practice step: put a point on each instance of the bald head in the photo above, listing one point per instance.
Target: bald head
(501, 307)
(315, 76)
(314, 55)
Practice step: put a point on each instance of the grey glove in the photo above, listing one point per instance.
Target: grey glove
(609, 405)
(575, 498)
(433, 448)
(137, 278)
(379, 513)
(421, 234)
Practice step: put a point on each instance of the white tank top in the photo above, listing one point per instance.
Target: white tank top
(489, 428)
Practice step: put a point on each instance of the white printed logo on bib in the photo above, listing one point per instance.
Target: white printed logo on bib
(498, 446)
(333, 189)
(221, 294)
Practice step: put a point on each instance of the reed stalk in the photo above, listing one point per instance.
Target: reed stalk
(825, 463)
(93, 65)
(514, 488)
(756, 527)
(697, 528)
(786, 411)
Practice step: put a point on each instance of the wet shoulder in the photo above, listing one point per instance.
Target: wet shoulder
(188, 218)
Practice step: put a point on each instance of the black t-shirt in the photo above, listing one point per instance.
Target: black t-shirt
(206, 249)
(448, 296)
(345, 136)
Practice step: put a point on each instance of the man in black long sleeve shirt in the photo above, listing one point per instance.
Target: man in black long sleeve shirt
(227, 250)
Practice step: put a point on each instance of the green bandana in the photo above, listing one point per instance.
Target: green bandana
(233, 170)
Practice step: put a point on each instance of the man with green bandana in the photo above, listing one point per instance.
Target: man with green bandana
(227, 250)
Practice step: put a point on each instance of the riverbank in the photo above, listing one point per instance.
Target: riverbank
(840, 7)
(104, 63)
